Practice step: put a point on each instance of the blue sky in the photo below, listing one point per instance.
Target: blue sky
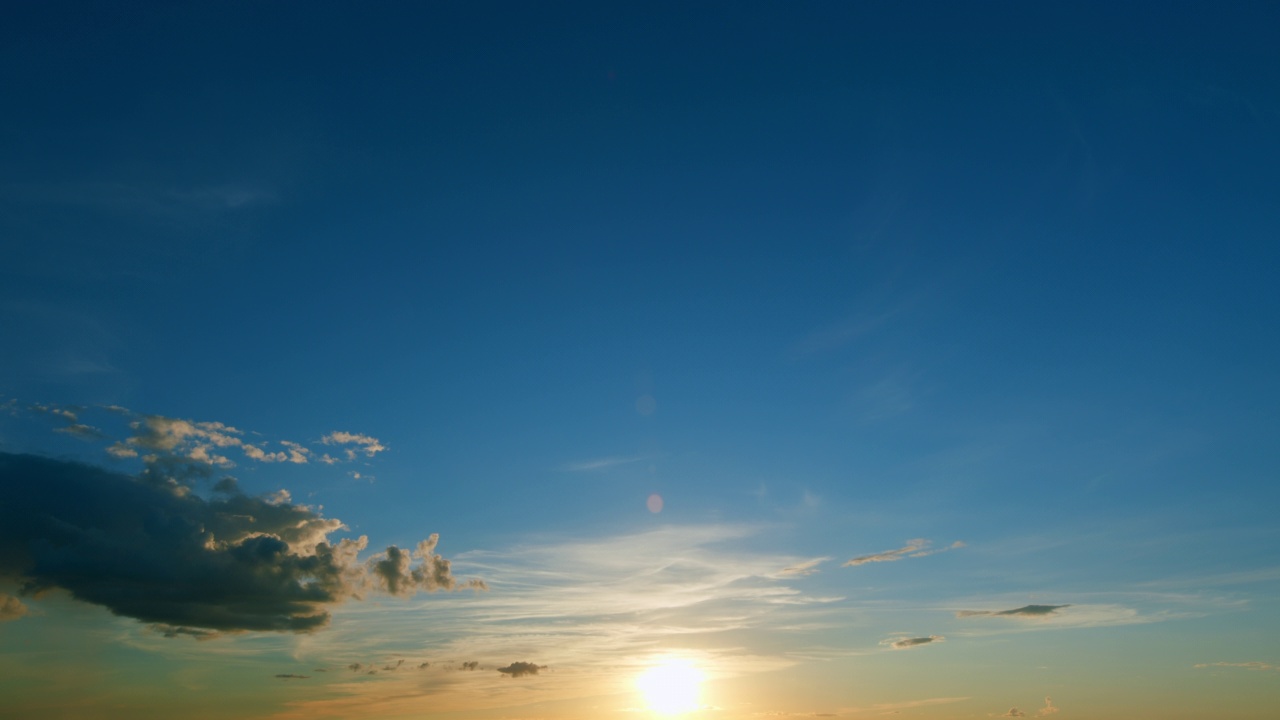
(985, 294)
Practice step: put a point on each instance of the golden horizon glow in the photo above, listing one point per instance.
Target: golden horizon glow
(672, 687)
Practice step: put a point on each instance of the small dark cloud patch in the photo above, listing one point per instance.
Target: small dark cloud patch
(912, 642)
(355, 667)
(471, 665)
(1026, 611)
(291, 676)
(424, 666)
(520, 669)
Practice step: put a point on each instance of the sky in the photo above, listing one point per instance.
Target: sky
(577, 361)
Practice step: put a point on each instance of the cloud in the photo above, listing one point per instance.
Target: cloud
(71, 415)
(1014, 712)
(395, 574)
(157, 438)
(907, 643)
(291, 676)
(171, 631)
(472, 665)
(1048, 708)
(918, 547)
(520, 669)
(801, 569)
(150, 548)
(1252, 665)
(602, 463)
(11, 608)
(185, 206)
(82, 431)
(1026, 611)
(370, 446)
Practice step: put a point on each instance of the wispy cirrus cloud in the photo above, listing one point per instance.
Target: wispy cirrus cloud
(602, 463)
(165, 203)
(918, 547)
(601, 610)
(802, 569)
(1250, 665)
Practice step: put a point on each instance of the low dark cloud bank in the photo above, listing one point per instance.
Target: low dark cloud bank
(150, 548)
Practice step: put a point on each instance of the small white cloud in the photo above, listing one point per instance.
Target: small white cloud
(370, 446)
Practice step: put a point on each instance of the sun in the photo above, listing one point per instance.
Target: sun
(671, 687)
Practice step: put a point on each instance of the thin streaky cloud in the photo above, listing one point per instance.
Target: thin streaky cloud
(802, 569)
(918, 547)
(1026, 611)
(602, 463)
(1250, 665)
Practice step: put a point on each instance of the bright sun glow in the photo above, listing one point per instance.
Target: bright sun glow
(671, 687)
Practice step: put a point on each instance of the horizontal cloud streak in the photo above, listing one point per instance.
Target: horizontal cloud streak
(1026, 611)
(907, 643)
(918, 547)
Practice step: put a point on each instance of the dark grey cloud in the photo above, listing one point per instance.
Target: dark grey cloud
(912, 642)
(1026, 611)
(472, 665)
(11, 608)
(520, 669)
(150, 548)
(291, 676)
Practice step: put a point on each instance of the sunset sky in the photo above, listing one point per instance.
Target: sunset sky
(591, 361)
